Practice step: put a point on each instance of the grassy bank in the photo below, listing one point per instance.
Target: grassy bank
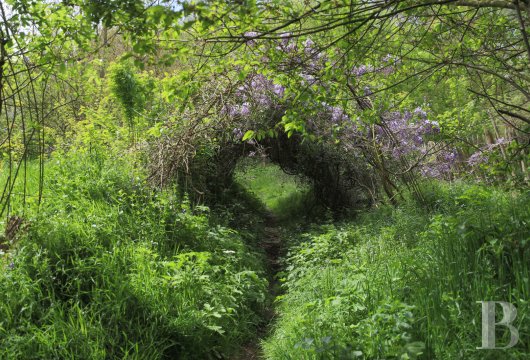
(403, 282)
(111, 268)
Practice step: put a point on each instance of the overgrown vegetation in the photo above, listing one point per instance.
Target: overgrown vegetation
(110, 268)
(256, 179)
(403, 282)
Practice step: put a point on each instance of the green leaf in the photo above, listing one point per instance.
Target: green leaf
(248, 135)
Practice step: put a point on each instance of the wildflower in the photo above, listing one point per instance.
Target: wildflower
(361, 70)
(337, 114)
(308, 43)
(418, 139)
(449, 156)
(291, 47)
(244, 110)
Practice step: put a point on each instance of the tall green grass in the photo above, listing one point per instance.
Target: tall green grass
(403, 282)
(108, 268)
(20, 189)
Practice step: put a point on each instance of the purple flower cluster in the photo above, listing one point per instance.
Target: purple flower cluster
(406, 134)
(387, 67)
(338, 115)
(361, 70)
(389, 63)
(278, 90)
(420, 112)
(482, 155)
(477, 158)
(250, 36)
(308, 46)
(256, 94)
(307, 79)
(440, 164)
(287, 44)
(406, 131)
(335, 113)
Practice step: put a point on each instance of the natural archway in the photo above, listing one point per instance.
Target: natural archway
(337, 181)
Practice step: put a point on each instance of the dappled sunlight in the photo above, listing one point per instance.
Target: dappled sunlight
(281, 193)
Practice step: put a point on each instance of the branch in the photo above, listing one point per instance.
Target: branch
(512, 114)
(523, 28)
(502, 4)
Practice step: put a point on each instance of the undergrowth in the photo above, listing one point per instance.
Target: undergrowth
(403, 282)
(109, 268)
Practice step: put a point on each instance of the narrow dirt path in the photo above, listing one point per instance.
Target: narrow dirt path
(272, 245)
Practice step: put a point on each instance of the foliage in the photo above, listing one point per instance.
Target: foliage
(109, 268)
(133, 230)
(403, 282)
(125, 87)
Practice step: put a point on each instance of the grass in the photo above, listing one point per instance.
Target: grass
(288, 197)
(108, 268)
(25, 186)
(403, 282)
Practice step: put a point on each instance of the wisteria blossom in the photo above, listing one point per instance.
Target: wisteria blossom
(257, 94)
(477, 158)
(250, 37)
(308, 45)
(361, 70)
(482, 155)
(406, 134)
(401, 135)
